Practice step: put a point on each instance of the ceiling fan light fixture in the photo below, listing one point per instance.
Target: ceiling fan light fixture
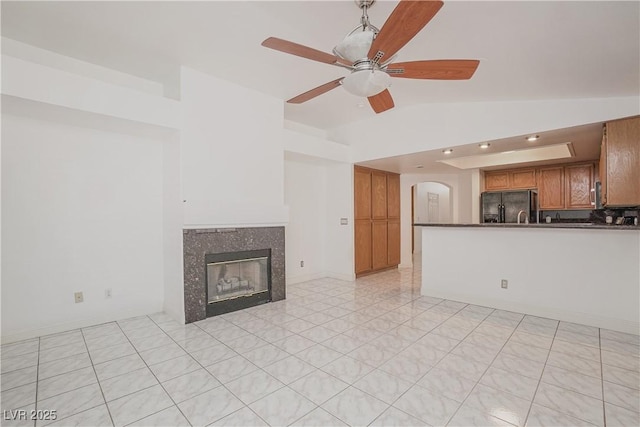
(355, 45)
(366, 83)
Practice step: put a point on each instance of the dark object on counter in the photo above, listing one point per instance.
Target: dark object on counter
(504, 206)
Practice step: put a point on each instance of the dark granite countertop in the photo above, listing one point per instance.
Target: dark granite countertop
(576, 225)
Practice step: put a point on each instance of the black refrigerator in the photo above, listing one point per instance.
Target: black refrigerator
(504, 206)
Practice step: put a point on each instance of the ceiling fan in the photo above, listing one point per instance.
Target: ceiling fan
(369, 54)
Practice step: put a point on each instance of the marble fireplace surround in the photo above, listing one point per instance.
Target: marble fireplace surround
(198, 242)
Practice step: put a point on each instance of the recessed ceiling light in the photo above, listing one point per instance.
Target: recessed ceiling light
(484, 145)
(448, 151)
(419, 166)
(533, 138)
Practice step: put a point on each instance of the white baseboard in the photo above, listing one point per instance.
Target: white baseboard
(178, 317)
(550, 313)
(292, 280)
(407, 265)
(340, 276)
(20, 335)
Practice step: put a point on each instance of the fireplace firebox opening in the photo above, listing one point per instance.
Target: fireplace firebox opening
(237, 280)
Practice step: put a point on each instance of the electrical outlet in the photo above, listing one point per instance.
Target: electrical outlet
(107, 293)
(344, 221)
(79, 297)
(504, 283)
(301, 263)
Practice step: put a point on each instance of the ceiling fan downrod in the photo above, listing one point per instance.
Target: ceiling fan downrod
(364, 20)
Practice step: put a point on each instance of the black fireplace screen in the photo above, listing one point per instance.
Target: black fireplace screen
(237, 280)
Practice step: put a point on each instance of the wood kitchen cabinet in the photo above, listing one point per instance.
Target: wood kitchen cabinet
(393, 196)
(620, 163)
(551, 188)
(523, 178)
(496, 180)
(362, 185)
(564, 186)
(363, 248)
(579, 186)
(377, 220)
(510, 179)
(393, 236)
(378, 195)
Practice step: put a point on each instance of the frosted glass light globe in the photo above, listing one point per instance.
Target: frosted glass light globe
(366, 82)
(355, 46)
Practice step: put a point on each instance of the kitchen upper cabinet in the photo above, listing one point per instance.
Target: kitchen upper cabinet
(551, 188)
(496, 180)
(579, 186)
(620, 163)
(565, 186)
(523, 178)
(510, 179)
(377, 220)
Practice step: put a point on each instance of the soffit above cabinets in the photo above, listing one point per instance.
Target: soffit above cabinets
(579, 143)
(511, 157)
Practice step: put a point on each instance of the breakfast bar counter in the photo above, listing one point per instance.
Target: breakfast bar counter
(575, 272)
(578, 225)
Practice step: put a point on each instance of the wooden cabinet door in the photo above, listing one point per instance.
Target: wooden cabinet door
(363, 246)
(379, 244)
(393, 238)
(551, 188)
(623, 162)
(496, 180)
(523, 178)
(602, 169)
(378, 195)
(578, 183)
(362, 193)
(393, 196)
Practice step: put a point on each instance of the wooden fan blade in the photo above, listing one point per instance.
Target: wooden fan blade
(381, 102)
(406, 20)
(304, 97)
(444, 69)
(302, 51)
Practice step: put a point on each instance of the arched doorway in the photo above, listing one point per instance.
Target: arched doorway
(431, 203)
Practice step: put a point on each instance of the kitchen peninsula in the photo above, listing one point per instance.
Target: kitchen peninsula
(581, 273)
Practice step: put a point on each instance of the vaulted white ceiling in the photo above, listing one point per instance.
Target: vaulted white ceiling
(528, 50)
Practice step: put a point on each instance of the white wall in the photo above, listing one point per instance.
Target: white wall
(340, 238)
(421, 207)
(306, 197)
(47, 58)
(172, 231)
(461, 205)
(318, 193)
(231, 154)
(82, 210)
(436, 126)
(584, 276)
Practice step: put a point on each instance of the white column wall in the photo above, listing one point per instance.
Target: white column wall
(231, 154)
(306, 197)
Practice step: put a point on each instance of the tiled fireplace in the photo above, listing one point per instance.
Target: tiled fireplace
(226, 269)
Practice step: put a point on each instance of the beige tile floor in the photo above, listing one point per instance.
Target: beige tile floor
(334, 353)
